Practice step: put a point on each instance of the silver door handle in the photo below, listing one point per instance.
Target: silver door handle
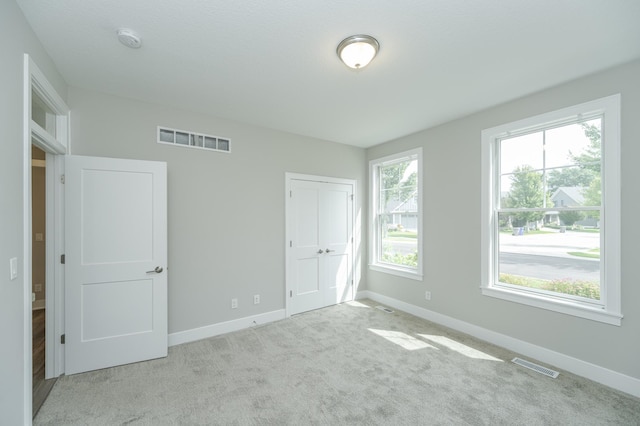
(329, 251)
(157, 270)
(320, 251)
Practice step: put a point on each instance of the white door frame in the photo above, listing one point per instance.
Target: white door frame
(289, 232)
(35, 81)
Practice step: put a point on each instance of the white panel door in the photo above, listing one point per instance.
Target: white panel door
(320, 263)
(306, 252)
(116, 257)
(337, 236)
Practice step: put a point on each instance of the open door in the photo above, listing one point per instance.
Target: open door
(116, 261)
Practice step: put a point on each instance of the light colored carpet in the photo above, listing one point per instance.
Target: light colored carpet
(346, 364)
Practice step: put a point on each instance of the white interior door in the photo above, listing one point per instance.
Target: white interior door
(337, 235)
(320, 255)
(116, 259)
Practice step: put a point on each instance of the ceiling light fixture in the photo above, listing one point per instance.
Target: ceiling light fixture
(129, 38)
(358, 50)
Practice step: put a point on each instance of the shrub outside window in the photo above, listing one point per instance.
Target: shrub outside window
(551, 211)
(396, 201)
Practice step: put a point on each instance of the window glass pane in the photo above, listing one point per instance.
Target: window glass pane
(579, 185)
(524, 189)
(521, 151)
(563, 257)
(42, 114)
(398, 213)
(399, 242)
(567, 145)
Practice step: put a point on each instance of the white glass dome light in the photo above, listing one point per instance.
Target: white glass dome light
(358, 50)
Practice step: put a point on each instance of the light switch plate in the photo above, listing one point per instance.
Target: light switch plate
(13, 267)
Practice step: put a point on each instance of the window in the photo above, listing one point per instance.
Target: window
(396, 221)
(551, 211)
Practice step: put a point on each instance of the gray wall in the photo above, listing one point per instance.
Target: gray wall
(452, 233)
(16, 38)
(226, 211)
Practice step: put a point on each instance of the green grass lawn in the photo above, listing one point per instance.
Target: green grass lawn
(402, 234)
(591, 254)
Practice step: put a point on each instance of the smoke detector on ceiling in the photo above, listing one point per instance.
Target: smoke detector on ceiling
(129, 38)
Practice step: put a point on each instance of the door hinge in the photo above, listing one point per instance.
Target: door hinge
(290, 194)
(290, 243)
(62, 180)
(62, 339)
(290, 293)
(63, 258)
(351, 197)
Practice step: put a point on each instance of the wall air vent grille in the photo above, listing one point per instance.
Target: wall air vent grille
(193, 140)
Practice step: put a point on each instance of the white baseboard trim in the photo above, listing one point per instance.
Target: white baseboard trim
(576, 366)
(224, 327)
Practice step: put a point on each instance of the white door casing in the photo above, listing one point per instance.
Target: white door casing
(116, 237)
(319, 243)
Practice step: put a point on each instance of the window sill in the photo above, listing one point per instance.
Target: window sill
(396, 271)
(564, 307)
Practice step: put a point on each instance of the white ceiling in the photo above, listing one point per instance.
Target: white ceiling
(273, 63)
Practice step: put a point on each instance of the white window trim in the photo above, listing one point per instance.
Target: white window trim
(609, 309)
(414, 274)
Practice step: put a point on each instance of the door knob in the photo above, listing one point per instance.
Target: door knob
(157, 270)
(320, 251)
(329, 251)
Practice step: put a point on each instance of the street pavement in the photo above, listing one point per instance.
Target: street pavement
(555, 244)
(546, 256)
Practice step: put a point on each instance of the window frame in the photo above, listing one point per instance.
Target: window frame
(608, 309)
(374, 236)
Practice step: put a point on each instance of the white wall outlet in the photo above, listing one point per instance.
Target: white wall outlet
(427, 295)
(234, 303)
(256, 299)
(37, 288)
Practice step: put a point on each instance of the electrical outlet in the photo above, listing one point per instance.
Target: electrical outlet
(427, 295)
(37, 288)
(256, 299)
(234, 303)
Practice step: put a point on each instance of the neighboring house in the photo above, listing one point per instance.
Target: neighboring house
(404, 213)
(569, 196)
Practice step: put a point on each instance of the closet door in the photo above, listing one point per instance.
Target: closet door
(320, 252)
